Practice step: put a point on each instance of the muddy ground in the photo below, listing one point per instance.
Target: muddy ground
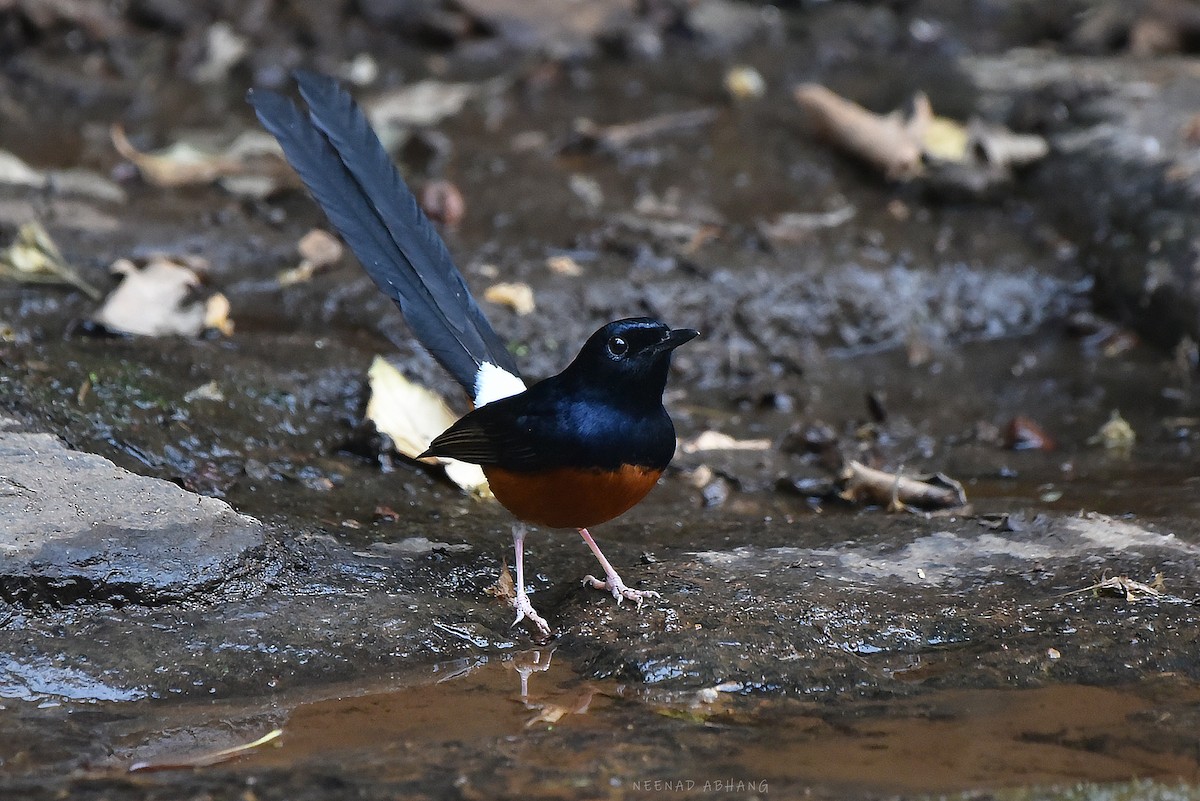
(204, 544)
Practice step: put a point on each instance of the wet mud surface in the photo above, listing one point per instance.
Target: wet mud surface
(1043, 636)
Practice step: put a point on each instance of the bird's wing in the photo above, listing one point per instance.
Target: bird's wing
(489, 435)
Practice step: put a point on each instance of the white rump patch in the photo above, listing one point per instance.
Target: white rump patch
(493, 383)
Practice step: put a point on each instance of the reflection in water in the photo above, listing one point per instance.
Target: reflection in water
(476, 724)
(528, 663)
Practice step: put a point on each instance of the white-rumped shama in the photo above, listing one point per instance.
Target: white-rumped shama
(572, 451)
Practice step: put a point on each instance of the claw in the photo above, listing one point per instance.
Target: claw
(618, 590)
(521, 601)
(612, 583)
(525, 610)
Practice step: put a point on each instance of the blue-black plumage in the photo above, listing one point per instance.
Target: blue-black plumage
(344, 165)
(603, 412)
(574, 450)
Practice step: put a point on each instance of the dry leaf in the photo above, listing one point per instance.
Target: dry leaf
(1125, 587)
(550, 712)
(587, 189)
(224, 48)
(419, 104)
(302, 273)
(318, 249)
(673, 204)
(159, 300)
(745, 83)
(716, 441)
(1024, 434)
(946, 139)
(972, 156)
(412, 416)
(1116, 435)
(15, 172)
(73, 181)
(409, 413)
(795, 226)
(443, 203)
(866, 484)
(210, 391)
(1130, 590)
(587, 135)
(85, 184)
(505, 587)
(33, 258)
(216, 314)
(891, 142)
(518, 297)
(183, 164)
(564, 265)
(206, 760)
(178, 165)
(1000, 147)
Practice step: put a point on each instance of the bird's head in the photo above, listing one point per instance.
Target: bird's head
(631, 357)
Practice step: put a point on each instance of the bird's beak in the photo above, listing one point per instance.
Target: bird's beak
(677, 337)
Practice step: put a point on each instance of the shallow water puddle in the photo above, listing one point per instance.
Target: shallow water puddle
(962, 739)
(530, 725)
(466, 702)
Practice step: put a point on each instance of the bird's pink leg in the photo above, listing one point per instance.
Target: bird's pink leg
(612, 582)
(521, 602)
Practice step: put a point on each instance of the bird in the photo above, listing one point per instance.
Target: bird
(573, 450)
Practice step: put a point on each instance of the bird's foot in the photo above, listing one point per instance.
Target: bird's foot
(617, 588)
(525, 610)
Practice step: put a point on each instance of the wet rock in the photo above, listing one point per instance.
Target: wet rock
(77, 528)
(1121, 143)
(833, 619)
(851, 308)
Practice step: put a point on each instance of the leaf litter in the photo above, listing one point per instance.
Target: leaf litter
(253, 154)
(1124, 587)
(33, 258)
(162, 298)
(412, 415)
(318, 250)
(913, 142)
(517, 297)
(74, 181)
(862, 484)
(207, 759)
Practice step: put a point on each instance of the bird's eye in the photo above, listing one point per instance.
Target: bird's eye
(618, 347)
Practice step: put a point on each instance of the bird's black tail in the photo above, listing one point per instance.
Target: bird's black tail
(350, 174)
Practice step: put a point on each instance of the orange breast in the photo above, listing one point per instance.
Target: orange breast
(571, 497)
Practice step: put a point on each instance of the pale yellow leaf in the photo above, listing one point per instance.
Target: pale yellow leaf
(518, 297)
(745, 83)
(156, 300)
(946, 139)
(206, 760)
(216, 314)
(564, 265)
(717, 441)
(34, 258)
(412, 415)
